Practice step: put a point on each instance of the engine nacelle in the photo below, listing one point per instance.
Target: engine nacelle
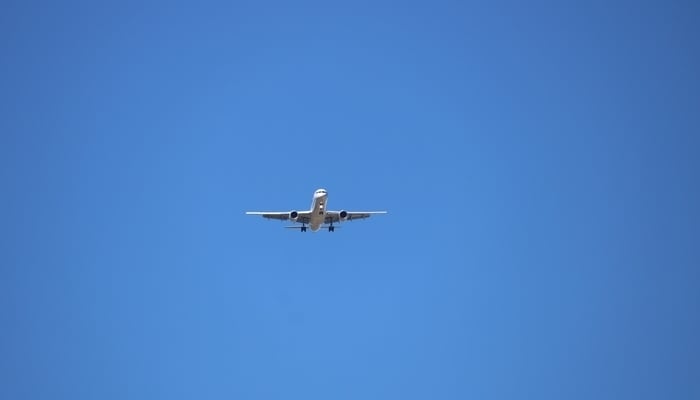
(293, 215)
(343, 215)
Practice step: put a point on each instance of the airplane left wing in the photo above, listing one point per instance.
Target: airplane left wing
(338, 216)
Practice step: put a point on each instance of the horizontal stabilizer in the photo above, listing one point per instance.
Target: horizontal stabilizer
(307, 227)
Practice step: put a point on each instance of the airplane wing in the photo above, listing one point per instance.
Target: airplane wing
(335, 216)
(303, 217)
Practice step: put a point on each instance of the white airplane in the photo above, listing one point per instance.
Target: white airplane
(317, 215)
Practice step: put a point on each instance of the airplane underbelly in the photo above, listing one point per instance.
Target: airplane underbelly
(318, 215)
(316, 220)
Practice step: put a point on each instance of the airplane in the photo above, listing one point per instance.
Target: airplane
(317, 215)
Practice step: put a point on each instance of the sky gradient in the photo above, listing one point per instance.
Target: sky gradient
(539, 162)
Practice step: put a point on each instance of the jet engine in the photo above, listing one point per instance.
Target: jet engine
(293, 215)
(343, 215)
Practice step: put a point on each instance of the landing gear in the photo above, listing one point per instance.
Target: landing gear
(331, 228)
(303, 228)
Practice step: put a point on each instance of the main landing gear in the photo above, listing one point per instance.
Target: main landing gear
(331, 228)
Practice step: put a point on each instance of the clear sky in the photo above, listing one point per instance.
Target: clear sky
(539, 161)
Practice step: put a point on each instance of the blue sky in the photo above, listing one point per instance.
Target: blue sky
(539, 162)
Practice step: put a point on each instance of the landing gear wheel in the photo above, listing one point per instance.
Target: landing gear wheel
(303, 229)
(331, 228)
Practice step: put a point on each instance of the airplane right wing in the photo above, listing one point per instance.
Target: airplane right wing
(302, 216)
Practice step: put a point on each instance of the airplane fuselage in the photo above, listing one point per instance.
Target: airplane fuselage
(319, 205)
